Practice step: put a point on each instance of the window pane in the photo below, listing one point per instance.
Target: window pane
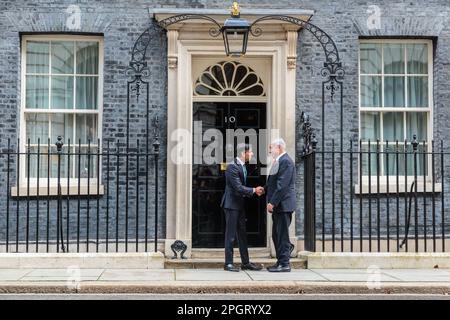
(37, 128)
(62, 92)
(36, 92)
(394, 159)
(256, 90)
(87, 57)
(369, 156)
(54, 162)
(417, 58)
(205, 91)
(419, 161)
(62, 125)
(393, 126)
(394, 92)
(86, 159)
(37, 57)
(370, 126)
(370, 91)
(43, 158)
(370, 55)
(86, 128)
(86, 97)
(416, 123)
(418, 92)
(62, 57)
(394, 58)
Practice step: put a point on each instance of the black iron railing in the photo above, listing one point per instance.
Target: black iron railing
(375, 196)
(65, 197)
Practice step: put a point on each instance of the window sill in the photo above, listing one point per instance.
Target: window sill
(401, 188)
(53, 191)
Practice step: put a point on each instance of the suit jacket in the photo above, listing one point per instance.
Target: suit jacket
(280, 187)
(235, 190)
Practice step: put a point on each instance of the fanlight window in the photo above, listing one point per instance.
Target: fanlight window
(229, 78)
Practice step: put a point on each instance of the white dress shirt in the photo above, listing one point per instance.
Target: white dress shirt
(240, 161)
(278, 158)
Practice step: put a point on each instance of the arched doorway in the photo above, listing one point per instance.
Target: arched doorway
(227, 96)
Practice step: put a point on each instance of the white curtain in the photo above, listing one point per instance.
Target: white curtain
(86, 93)
(37, 57)
(36, 92)
(418, 92)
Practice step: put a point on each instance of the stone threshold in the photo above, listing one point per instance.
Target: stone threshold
(218, 263)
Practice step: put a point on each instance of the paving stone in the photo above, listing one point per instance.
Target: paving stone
(137, 275)
(294, 275)
(210, 275)
(13, 274)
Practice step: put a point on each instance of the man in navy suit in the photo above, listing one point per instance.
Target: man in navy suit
(233, 203)
(281, 202)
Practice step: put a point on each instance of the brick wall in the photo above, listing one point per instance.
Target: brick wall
(121, 22)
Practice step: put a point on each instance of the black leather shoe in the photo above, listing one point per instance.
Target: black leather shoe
(274, 266)
(251, 266)
(279, 268)
(230, 267)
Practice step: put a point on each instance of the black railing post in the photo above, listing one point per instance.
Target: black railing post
(8, 191)
(309, 158)
(310, 208)
(156, 145)
(415, 145)
(59, 225)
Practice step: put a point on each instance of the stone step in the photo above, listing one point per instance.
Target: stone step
(218, 263)
(219, 253)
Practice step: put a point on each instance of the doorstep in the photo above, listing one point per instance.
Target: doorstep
(217, 263)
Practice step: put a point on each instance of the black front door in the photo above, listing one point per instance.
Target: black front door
(208, 183)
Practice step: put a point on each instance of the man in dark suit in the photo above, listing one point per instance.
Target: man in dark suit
(281, 202)
(233, 203)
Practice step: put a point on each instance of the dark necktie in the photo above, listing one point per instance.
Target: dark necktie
(244, 168)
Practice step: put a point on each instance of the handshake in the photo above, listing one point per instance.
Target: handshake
(259, 191)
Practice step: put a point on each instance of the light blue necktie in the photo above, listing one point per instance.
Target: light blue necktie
(245, 173)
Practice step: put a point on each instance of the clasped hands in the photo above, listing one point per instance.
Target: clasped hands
(259, 192)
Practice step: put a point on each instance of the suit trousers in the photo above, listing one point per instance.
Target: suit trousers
(280, 236)
(235, 230)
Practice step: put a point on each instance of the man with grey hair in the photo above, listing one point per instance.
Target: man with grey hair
(233, 203)
(281, 202)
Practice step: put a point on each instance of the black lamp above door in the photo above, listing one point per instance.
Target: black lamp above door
(235, 33)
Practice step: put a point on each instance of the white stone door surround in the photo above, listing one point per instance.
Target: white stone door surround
(190, 40)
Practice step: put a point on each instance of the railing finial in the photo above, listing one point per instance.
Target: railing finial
(59, 144)
(415, 143)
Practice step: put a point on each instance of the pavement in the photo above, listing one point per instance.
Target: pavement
(222, 297)
(216, 281)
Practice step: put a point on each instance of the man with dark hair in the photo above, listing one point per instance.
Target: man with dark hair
(233, 203)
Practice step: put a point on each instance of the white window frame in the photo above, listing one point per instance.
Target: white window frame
(43, 181)
(429, 110)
